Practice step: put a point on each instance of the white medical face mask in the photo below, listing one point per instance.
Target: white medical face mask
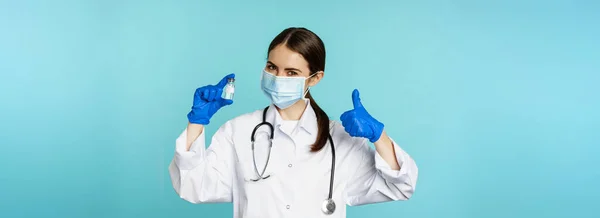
(283, 91)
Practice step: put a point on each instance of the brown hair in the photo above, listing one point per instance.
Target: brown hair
(311, 47)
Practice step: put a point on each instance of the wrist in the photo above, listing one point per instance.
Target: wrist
(377, 132)
(194, 119)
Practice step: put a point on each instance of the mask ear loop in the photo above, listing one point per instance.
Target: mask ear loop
(308, 88)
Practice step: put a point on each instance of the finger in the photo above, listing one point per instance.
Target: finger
(345, 123)
(347, 128)
(344, 116)
(205, 94)
(356, 99)
(213, 94)
(223, 81)
(198, 93)
(353, 128)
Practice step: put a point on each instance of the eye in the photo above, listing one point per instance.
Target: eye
(292, 73)
(271, 67)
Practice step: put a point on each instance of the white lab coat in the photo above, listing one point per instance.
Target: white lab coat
(299, 179)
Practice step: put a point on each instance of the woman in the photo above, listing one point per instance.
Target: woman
(313, 165)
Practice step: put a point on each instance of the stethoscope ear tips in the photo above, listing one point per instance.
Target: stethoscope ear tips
(328, 206)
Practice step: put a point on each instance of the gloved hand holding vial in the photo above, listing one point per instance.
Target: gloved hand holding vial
(210, 98)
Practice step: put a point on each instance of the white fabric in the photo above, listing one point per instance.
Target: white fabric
(289, 127)
(299, 181)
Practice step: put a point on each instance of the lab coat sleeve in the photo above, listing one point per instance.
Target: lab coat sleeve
(204, 175)
(374, 181)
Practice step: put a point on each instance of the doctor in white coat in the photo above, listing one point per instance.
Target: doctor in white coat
(298, 163)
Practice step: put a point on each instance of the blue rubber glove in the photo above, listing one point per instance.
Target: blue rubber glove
(359, 123)
(207, 101)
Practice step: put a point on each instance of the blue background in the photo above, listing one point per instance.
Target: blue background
(497, 101)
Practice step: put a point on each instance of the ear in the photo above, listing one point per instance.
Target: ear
(315, 79)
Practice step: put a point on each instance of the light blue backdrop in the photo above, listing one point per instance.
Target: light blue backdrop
(497, 101)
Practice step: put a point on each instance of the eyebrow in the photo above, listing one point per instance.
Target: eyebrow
(289, 68)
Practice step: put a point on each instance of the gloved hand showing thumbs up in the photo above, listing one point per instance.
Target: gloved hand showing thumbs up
(359, 123)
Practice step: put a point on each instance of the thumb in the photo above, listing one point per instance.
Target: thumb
(356, 99)
(223, 81)
(225, 102)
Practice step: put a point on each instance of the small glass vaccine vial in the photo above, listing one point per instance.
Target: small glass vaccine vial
(229, 89)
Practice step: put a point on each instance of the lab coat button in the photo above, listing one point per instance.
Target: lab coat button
(289, 165)
(287, 207)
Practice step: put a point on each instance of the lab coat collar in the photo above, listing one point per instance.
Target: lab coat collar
(308, 120)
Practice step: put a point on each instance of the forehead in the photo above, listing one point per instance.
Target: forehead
(283, 57)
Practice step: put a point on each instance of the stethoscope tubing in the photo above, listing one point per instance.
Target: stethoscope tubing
(329, 204)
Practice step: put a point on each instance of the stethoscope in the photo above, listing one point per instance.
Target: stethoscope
(328, 206)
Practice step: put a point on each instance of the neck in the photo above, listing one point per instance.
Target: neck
(293, 112)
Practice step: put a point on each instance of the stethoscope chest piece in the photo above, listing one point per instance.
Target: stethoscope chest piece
(328, 206)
